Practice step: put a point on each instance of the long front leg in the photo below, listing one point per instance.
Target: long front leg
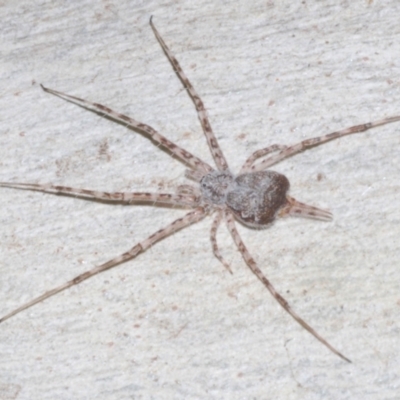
(256, 270)
(178, 152)
(188, 219)
(216, 151)
(316, 141)
(185, 200)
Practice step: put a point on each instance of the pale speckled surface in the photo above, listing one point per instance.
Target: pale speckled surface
(173, 323)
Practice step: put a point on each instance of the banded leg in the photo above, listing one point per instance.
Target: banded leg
(188, 190)
(316, 141)
(260, 153)
(213, 236)
(178, 152)
(186, 200)
(256, 270)
(190, 218)
(216, 151)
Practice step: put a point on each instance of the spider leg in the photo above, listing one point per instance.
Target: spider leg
(316, 141)
(296, 209)
(177, 151)
(187, 200)
(216, 151)
(213, 236)
(194, 175)
(188, 190)
(260, 153)
(256, 270)
(190, 218)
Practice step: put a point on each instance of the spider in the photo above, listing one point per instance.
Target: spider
(254, 197)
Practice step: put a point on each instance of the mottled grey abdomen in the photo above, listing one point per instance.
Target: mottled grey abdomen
(257, 197)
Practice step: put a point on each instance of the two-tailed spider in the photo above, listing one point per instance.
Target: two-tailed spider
(254, 197)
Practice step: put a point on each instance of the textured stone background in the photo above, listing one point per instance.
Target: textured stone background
(173, 323)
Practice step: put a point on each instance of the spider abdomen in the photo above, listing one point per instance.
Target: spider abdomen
(257, 197)
(254, 198)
